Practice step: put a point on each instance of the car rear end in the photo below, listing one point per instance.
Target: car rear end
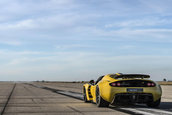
(134, 91)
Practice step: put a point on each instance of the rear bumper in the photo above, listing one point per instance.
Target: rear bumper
(133, 98)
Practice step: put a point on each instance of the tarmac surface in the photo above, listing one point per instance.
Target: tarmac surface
(39, 98)
(29, 100)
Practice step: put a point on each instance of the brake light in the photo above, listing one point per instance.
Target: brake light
(113, 84)
(118, 84)
(133, 83)
(153, 84)
(150, 84)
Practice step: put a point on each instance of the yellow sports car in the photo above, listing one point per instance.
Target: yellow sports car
(122, 88)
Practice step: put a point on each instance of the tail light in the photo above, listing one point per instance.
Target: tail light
(113, 84)
(133, 83)
(150, 84)
(118, 84)
(153, 84)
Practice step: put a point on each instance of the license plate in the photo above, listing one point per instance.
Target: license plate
(134, 89)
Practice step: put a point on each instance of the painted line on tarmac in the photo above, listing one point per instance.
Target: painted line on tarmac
(157, 110)
(138, 111)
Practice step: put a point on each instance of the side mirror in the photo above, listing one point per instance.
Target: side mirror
(91, 82)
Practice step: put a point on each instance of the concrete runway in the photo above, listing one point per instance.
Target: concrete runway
(29, 100)
(65, 99)
(165, 107)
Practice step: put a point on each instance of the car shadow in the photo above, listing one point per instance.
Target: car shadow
(166, 105)
(163, 106)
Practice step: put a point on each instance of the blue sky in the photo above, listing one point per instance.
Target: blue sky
(70, 40)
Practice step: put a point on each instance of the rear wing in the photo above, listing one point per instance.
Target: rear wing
(127, 76)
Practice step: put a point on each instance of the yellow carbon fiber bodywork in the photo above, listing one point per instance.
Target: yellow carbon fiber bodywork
(108, 92)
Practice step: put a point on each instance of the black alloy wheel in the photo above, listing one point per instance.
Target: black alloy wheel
(99, 100)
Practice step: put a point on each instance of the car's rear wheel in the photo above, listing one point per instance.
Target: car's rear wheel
(99, 100)
(85, 96)
(154, 104)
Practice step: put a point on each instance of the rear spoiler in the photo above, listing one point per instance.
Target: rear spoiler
(125, 76)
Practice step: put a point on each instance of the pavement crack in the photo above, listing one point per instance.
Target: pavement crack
(75, 110)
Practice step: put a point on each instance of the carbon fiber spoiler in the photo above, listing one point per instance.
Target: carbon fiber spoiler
(125, 76)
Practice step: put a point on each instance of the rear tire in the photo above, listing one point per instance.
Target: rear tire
(99, 100)
(154, 104)
(85, 96)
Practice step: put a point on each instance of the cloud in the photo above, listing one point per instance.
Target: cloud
(40, 23)
(11, 43)
(26, 65)
(147, 22)
(77, 40)
(127, 47)
(148, 35)
(21, 25)
(73, 46)
(157, 6)
(17, 7)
